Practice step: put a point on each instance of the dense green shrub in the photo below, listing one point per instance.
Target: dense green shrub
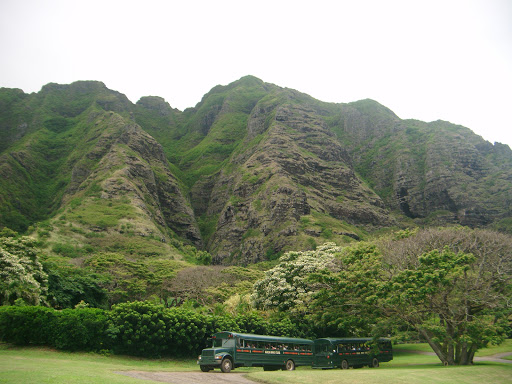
(136, 328)
(26, 325)
(81, 329)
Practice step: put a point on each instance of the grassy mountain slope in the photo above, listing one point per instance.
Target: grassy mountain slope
(251, 171)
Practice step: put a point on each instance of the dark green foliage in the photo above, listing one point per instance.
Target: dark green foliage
(27, 325)
(204, 258)
(144, 329)
(81, 329)
(74, 330)
(252, 323)
(57, 124)
(68, 286)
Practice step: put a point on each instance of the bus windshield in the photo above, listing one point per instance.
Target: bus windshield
(227, 343)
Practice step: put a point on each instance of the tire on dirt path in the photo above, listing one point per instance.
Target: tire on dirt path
(226, 365)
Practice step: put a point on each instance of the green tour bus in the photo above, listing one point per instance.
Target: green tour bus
(231, 350)
(351, 352)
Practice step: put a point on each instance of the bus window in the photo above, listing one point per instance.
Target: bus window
(227, 343)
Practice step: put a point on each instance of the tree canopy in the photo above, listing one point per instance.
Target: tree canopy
(21, 273)
(454, 286)
(286, 286)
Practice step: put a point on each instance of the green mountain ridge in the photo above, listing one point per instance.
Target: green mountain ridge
(251, 171)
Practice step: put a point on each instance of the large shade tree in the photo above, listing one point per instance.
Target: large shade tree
(454, 286)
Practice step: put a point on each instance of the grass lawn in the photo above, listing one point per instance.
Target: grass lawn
(43, 365)
(389, 374)
(506, 346)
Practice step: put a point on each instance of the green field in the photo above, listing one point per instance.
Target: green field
(42, 365)
(487, 373)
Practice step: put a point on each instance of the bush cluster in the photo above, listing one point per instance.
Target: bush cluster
(81, 329)
(136, 328)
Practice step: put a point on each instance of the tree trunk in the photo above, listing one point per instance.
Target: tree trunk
(436, 347)
(467, 353)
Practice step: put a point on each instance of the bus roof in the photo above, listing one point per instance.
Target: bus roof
(248, 336)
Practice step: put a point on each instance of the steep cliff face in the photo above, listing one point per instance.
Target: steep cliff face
(131, 169)
(437, 172)
(251, 171)
(286, 185)
(88, 160)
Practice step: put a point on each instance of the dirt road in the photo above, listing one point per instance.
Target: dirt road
(189, 377)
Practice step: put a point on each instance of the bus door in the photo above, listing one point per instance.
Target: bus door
(363, 354)
(243, 352)
(258, 352)
(322, 354)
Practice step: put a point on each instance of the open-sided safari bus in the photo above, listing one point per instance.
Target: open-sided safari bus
(351, 352)
(232, 350)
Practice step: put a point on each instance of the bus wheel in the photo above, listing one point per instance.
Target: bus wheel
(344, 364)
(226, 366)
(204, 368)
(375, 363)
(290, 365)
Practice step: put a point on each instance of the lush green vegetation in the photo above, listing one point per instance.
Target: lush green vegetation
(427, 281)
(399, 285)
(136, 328)
(107, 229)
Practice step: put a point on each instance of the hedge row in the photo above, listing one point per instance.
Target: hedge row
(137, 328)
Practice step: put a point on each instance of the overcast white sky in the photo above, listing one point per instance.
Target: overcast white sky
(429, 60)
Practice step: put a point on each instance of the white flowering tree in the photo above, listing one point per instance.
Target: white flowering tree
(21, 273)
(286, 287)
